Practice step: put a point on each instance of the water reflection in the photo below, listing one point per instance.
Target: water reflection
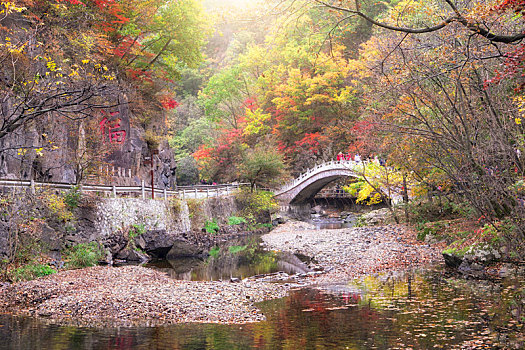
(418, 310)
(242, 258)
(332, 224)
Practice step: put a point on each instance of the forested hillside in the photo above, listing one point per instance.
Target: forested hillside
(86, 85)
(259, 91)
(433, 88)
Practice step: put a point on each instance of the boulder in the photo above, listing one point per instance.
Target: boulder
(452, 260)
(376, 217)
(484, 254)
(184, 248)
(157, 243)
(132, 255)
(50, 238)
(315, 210)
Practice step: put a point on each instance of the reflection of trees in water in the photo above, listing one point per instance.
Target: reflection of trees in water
(384, 317)
(241, 257)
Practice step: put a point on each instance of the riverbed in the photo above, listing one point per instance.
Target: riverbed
(380, 305)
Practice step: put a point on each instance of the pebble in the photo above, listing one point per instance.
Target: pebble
(135, 296)
(345, 254)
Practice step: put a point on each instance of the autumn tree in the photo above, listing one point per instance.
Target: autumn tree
(434, 101)
(262, 166)
(34, 84)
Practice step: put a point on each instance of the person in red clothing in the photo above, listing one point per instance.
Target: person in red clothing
(340, 156)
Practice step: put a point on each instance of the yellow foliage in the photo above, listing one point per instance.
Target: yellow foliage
(58, 206)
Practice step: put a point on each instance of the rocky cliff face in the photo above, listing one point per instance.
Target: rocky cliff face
(104, 148)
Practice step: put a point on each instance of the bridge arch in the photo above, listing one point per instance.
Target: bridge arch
(306, 186)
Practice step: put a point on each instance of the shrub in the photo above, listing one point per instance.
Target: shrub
(196, 213)
(237, 248)
(137, 230)
(84, 255)
(214, 252)
(236, 220)
(211, 226)
(31, 271)
(72, 197)
(257, 205)
(360, 222)
(57, 205)
(422, 212)
(175, 205)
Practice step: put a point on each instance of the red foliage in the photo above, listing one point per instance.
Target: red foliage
(311, 141)
(251, 104)
(169, 103)
(204, 152)
(138, 74)
(518, 6)
(515, 60)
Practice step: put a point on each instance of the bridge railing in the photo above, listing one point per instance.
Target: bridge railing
(182, 192)
(334, 164)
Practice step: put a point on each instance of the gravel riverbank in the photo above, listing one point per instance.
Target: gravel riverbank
(349, 253)
(135, 296)
(138, 296)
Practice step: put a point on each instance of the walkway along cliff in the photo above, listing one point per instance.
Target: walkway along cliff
(131, 229)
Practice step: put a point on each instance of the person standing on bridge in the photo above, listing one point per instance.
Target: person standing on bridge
(340, 156)
(357, 158)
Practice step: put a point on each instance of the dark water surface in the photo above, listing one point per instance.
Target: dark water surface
(240, 258)
(419, 310)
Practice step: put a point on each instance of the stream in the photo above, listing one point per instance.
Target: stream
(420, 309)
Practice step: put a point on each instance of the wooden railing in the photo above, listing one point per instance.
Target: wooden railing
(143, 191)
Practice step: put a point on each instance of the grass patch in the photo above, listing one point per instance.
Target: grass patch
(214, 252)
(84, 255)
(211, 226)
(234, 249)
(236, 220)
(30, 272)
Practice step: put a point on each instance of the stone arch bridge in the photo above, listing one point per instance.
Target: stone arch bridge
(300, 190)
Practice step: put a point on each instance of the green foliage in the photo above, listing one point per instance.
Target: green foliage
(425, 230)
(214, 252)
(137, 230)
(262, 165)
(222, 97)
(211, 226)
(255, 203)
(72, 197)
(236, 220)
(84, 255)
(30, 272)
(187, 171)
(267, 225)
(237, 248)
